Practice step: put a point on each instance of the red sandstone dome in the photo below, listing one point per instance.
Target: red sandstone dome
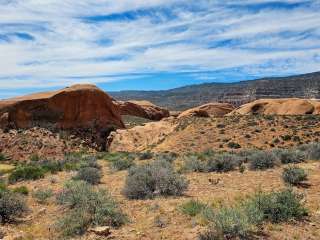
(78, 106)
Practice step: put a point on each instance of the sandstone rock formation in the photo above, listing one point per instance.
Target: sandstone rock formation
(78, 106)
(207, 110)
(285, 106)
(143, 109)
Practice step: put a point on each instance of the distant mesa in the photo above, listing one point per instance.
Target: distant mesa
(78, 106)
(284, 106)
(208, 110)
(143, 109)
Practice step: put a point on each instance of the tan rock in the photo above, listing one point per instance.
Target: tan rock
(207, 110)
(285, 106)
(101, 231)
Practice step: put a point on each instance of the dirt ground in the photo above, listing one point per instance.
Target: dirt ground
(144, 213)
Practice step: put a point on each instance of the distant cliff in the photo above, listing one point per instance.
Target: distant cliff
(300, 86)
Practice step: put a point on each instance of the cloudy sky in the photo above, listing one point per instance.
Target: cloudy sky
(154, 44)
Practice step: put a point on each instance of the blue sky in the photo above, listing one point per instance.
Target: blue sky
(154, 44)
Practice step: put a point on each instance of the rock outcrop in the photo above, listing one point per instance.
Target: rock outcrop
(78, 106)
(143, 109)
(285, 106)
(207, 110)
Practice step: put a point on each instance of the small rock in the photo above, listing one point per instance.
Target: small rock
(101, 231)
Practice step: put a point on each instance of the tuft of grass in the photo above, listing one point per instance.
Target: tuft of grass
(42, 195)
(192, 207)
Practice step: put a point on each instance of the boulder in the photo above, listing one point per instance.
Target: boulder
(143, 109)
(101, 231)
(207, 110)
(78, 106)
(284, 106)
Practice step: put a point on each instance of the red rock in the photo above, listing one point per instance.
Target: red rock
(143, 109)
(78, 106)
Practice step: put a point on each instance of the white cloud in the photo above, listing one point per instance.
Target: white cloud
(272, 41)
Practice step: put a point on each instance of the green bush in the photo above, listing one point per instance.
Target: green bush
(289, 155)
(122, 164)
(192, 208)
(87, 207)
(26, 173)
(42, 195)
(280, 206)
(3, 185)
(233, 222)
(294, 175)
(145, 155)
(89, 174)
(2, 157)
(312, 151)
(222, 163)
(12, 205)
(262, 160)
(157, 178)
(192, 163)
(21, 190)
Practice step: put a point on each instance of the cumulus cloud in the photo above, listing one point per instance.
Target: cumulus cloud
(53, 43)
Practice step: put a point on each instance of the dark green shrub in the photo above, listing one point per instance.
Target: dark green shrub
(192, 207)
(34, 158)
(51, 166)
(42, 195)
(21, 190)
(87, 207)
(279, 206)
(26, 173)
(12, 205)
(262, 160)
(2, 157)
(89, 175)
(234, 145)
(149, 180)
(222, 163)
(3, 185)
(146, 156)
(294, 175)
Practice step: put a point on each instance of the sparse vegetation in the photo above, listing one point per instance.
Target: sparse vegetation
(42, 195)
(12, 205)
(192, 207)
(157, 178)
(26, 173)
(262, 160)
(89, 174)
(294, 175)
(21, 190)
(87, 207)
(234, 145)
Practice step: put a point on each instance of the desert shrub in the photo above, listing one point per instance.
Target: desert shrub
(193, 164)
(87, 207)
(12, 205)
(26, 173)
(149, 180)
(234, 145)
(311, 150)
(51, 166)
(146, 155)
(279, 206)
(34, 158)
(192, 207)
(90, 161)
(21, 190)
(2, 157)
(233, 222)
(289, 155)
(3, 185)
(262, 160)
(294, 175)
(42, 195)
(222, 163)
(89, 174)
(166, 156)
(122, 164)
(286, 137)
